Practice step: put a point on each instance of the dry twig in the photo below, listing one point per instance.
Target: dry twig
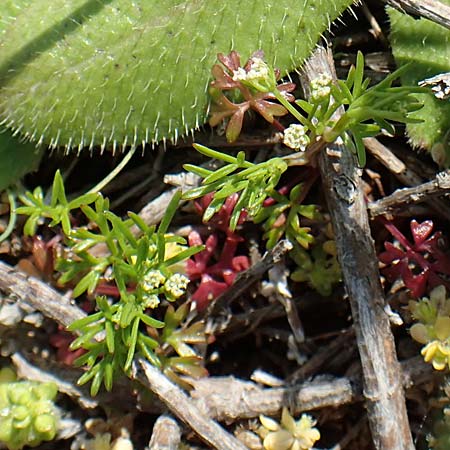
(184, 408)
(401, 197)
(433, 10)
(229, 399)
(38, 295)
(403, 173)
(166, 434)
(383, 390)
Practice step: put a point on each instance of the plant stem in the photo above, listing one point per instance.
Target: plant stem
(303, 120)
(98, 187)
(12, 215)
(383, 389)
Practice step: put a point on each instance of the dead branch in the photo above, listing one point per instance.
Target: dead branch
(383, 390)
(401, 197)
(229, 399)
(184, 408)
(403, 173)
(38, 295)
(433, 10)
(166, 434)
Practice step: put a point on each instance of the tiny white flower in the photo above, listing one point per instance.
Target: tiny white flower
(151, 301)
(295, 137)
(240, 74)
(320, 87)
(320, 93)
(176, 285)
(153, 279)
(259, 71)
(322, 80)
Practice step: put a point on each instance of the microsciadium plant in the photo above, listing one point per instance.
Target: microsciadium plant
(237, 89)
(141, 269)
(368, 110)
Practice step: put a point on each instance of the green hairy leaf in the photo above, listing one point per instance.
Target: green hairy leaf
(17, 158)
(82, 73)
(425, 45)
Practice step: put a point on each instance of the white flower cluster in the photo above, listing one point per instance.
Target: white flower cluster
(320, 87)
(153, 279)
(151, 300)
(259, 70)
(176, 285)
(295, 137)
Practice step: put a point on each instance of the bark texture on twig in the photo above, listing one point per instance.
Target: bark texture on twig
(27, 370)
(224, 398)
(433, 10)
(38, 295)
(166, 434)
(228, 398)
(383, 390)
(184, 408)
(246, 278)
(404, 174)
(401, 197)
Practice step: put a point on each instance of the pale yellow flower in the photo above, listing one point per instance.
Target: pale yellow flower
(295, 137)
(433, 329)
(289, 434)
(438, 353)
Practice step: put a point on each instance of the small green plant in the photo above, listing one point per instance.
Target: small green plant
(282, 218)
(28, 415)
(318, 267)
(137, 266)
(237, 89)
(368, 110)
(177, 336)
(254, 183)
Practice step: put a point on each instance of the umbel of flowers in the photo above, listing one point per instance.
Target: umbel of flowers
(433, 327)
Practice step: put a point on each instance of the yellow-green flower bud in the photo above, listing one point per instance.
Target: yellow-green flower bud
(176, 285)
(295, 137)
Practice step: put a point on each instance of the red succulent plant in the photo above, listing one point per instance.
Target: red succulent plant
(216, 267)
(421, 264)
